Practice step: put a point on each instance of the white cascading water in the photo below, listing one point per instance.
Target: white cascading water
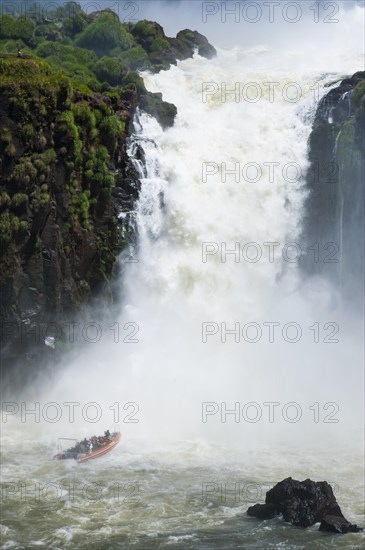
(169, 292)
(168, 371)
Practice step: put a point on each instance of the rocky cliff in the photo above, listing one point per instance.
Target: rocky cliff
(63, 184)
(335, 207)
(66, 108)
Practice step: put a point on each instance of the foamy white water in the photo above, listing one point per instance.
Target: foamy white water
(171, 362)
(169, 372)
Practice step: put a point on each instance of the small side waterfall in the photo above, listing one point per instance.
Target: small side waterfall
(144, 154)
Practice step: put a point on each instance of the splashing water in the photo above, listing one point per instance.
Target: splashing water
(174, 371)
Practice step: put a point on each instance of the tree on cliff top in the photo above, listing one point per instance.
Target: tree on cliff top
(104, 34)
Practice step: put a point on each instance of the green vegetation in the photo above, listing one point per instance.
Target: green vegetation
(19, 202)
(19, 28)
(64, 108)
(97, 53)
(67, 135)
(358, 95)
(86, 119)
(80, 208)
(4, 200)
(94, 51)
(47, 117)
(110, 129)
(110, 70)
(135, 58)
(134, 78)
(40, 198)
(150, 35)
(9, 226)
(96, 48)
(104, 34)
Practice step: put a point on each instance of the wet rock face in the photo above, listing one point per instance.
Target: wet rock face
(263, 511)
(65, 177)
(163, 111)
(161, 52)
(304, 503)
(337, 524)
(61, 174)
(164, 51)
(187, 41)
(335, 180)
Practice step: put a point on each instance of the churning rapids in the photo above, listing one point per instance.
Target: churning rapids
(185, 472)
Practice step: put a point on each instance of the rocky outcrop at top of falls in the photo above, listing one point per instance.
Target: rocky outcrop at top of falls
(304, 503)
(335, 207)
(66, 108)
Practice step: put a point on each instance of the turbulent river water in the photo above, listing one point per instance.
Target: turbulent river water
(224, 376)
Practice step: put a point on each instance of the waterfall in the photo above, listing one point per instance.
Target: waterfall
(144, 154)
(173, 290)
(204, 286)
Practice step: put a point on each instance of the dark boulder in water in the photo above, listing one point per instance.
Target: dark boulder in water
(263, 511)
(304, 503)
(337, 524)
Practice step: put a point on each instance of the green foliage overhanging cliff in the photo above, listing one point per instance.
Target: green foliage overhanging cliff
(65, 112)
(97, 51)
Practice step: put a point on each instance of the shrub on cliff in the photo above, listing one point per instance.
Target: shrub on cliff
(76, 63)
(136, 80)
(25, 80)
(358, 95)
(110, 130)
(20, 27)
(135, 58)
(80, 208)
(47, 31)
(104, 34)
(85, 118)
(9, 225)
(75, 24)
(150, 35)
(108, 69)
(19, 202)
(67, 135)
(187, 41)
(24, 175)
(40, 198)
(65, 52)
(4, 200)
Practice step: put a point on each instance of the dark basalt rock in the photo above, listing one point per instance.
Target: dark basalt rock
(51, 262)
(335, 181)
(164, 51)
(67, 186)
(304, 503)
(187, 41)
(337, 524)
(151, 102)
(263, 511)
(162, 110)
